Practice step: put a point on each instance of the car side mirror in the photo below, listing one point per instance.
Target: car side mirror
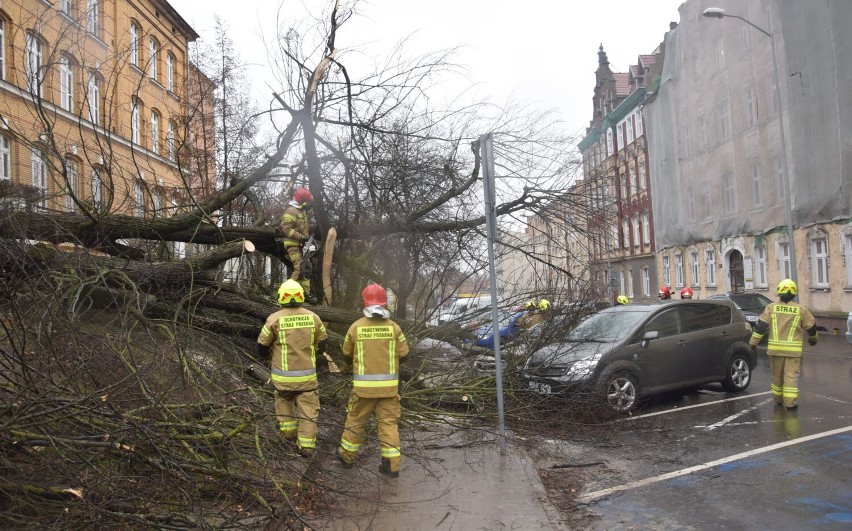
(648, 337)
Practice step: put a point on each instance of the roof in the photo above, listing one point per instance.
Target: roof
(176, 19)
(622, 83)
(625, 107)
(590, 139)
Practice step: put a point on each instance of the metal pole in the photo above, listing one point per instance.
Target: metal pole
(486, 143)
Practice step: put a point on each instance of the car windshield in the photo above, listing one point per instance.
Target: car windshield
(607, 327)
(750, 301)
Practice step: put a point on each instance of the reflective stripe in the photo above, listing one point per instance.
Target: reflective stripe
(363, 377)
(307, 442)
(382, 383)
(776, 390)
(289, 425)
(784, 346)
(793, 328)
(390, 452)
(348, 446)
(294, 376)
(790, 392)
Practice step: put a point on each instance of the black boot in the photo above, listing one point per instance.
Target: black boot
(384, 468)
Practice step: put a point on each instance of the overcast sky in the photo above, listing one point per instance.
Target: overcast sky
(540, 52)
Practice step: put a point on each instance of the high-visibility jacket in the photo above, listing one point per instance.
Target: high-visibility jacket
(294, 226)
(376, 345)
(293, 333)
(786, 323)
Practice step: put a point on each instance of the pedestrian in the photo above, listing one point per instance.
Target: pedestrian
(375, 343)
(686, 293)
(786, 323)
(294, 336)
(622, 300)
(295, 232)
(665, 293)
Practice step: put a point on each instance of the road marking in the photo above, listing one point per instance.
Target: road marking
(677, 473)
(832, 399)
(684, 408)
(735, 416)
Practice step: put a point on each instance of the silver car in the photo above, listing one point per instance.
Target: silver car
(849, 327)
(626, 352)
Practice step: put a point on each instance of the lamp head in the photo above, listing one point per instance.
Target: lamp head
(714, 12)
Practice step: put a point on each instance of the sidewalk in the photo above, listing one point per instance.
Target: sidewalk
(454, 480)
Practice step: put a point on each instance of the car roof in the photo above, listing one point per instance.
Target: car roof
(648, 307)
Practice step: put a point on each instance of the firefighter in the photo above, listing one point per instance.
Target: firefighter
(295, 232)
(294, 336)
(665, 293)
(376, 345)
(536, 312)
(686, 293)
(786, 321)
(622, 300)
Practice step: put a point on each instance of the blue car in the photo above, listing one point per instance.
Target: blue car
(509, 330)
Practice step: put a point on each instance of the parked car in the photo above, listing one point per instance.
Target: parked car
(751, 304)
(623, 353)
(849, 327)
(510, 328)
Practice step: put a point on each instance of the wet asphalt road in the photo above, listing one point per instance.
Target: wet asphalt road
(713, 460)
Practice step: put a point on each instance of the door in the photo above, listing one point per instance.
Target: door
(660, 360)
(736, 271)
(707, 334)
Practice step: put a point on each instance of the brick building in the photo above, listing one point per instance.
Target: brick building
(94, 105)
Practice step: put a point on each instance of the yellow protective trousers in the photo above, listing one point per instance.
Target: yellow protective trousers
(297, 412)
(295, 255)
(355, 430)
(785, 379)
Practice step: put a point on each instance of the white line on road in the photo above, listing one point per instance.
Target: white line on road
(675, 410)
(832, 399)
(677, 473)
(735, 416)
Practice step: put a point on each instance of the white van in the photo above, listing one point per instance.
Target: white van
(466, 306)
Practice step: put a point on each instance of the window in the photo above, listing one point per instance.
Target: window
(719, 55)
(636, 231)
(93, 16)
(646, 282)
(693, 265)
(134, 44)
(158, 199)
(628, 181)
(629, 282)
(170, 72)
(710, 262)
(94, 99)
(39, 170)
(723, 119)
(784, 258)
(71, 184)
(139, 200)
(66, 84)
(65, 7)
(756, 185)
(678, 270)
(155, 132)
(625, 187)
(760, 278)
(134, 122)
(819, 259)
(625, 227)
(97, 189)
(170, 140)
(629, 126)
(751, 106)
(34, 65)
(639, 130)
(642, 178)
(153, 58)
(2, 49)
(665, 323)
(730, 192)
(667, 276)
(621, 281)
(846, 247)
(646, 228)
(5, 158)
(703, 316)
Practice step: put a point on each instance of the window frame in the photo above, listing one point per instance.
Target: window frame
(135, 122)
(93, 17)
(135, 32)
(710, 264)
(34, 63)
(679, 272)
(155, 131)
(783, 257)
(846, 252)
(694, 267)
(39, 175)
(66, 83)
(820, 256)
(72, 181)
(761, 277)
(170, 72)
(5, 158)
(93, 97)
(153, 58)
(2, 48)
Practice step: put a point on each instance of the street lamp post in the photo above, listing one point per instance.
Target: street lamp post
(718, 12)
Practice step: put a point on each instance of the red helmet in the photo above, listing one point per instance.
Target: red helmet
(302, 196)
(374, 295)
(686, 293)
(665, 293)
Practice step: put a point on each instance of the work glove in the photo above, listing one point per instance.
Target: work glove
(812, 340)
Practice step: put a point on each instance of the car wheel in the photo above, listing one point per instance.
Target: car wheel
(738, 374)
(621, 391)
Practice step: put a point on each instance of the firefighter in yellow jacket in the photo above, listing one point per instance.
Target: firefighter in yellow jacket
(294, 336)
(295, 232)
(376, 345)
(786, 323)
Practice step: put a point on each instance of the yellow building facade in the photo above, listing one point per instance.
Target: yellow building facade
(93, 105)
